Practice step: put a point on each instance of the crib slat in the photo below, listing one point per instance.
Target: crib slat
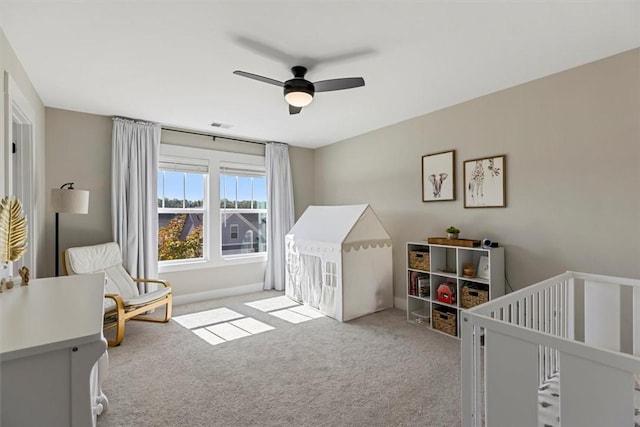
(470, 366)
(545, 308)
(563, 330)
(536, 326)
(521, 310)
(479, 381)
(636, 321)
(555, 329)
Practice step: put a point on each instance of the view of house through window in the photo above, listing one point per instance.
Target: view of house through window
(212, 208)
(243, 211)
(181, 212)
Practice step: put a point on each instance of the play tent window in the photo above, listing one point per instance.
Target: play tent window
(330, 278)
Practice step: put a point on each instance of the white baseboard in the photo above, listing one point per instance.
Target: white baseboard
(400, 303)
(216, 293)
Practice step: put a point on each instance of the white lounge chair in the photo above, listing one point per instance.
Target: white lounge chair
(122, 301)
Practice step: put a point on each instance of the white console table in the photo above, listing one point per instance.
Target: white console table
(50, 342)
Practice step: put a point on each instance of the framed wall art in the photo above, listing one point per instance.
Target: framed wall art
(438, 177)
(484, 182)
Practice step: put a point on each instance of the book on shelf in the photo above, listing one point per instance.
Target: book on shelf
(412, 283)
(419, 284)
(423, 287)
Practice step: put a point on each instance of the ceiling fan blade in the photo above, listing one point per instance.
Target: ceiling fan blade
(258, 78)
(294, 110)
(338, 84)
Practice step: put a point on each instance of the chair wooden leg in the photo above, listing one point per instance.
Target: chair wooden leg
(119, 334)
(167, 315)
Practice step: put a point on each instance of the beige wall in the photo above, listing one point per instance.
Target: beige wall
(573, 156)
(78, 150)
(572, 142)
(10, 66)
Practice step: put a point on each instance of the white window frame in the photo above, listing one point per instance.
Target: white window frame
(186, 165)
(211, 221)
(242, 170)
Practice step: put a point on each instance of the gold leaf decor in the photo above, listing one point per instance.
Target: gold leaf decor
(13, 230)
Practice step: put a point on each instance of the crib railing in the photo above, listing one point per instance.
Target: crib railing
(514, 344)
(545, 309)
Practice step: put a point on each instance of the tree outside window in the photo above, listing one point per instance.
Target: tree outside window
(181, 213)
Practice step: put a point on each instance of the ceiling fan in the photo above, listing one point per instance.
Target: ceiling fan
(298, 92)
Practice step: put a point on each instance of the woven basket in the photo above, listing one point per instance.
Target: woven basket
(470, 297)
(445, 321)
(419, 260)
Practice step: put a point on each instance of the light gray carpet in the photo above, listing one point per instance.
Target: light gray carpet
(377, 370)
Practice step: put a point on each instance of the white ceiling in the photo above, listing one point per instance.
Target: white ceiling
(172, 61)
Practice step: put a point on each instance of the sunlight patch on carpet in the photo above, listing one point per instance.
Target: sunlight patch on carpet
(271, 304)
(307, 311)
(208, 336)
(221, 325)
(291, 316)
(227, 331)
(252, 325)
(286, 309)
(205, 318)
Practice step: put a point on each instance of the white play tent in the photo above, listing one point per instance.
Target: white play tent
(339, 261)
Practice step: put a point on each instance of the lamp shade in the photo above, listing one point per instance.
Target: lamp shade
(298, 99)
(64, 200)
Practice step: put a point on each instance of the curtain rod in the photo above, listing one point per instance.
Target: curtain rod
(213, 136)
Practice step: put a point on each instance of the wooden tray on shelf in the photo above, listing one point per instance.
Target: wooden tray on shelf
(467, 243)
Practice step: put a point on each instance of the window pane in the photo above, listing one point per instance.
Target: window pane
(160, 188)
(195, 190)
(260, 193)
(173, 189)
(179, 236)
(251, 232)
(227, 191)
(244, 192)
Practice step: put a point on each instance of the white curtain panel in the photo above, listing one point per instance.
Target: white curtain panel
(281, 213)
(134, 204)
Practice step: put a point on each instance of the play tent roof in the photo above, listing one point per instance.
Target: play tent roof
(347, 224)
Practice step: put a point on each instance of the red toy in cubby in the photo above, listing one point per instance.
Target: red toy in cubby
(447, 293)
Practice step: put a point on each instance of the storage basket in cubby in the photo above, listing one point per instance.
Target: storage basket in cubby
(445, 321)
(471, 296)
(419, 260)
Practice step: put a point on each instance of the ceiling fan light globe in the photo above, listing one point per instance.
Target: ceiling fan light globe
(298, 99)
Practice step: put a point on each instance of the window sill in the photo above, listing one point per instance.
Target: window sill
(200, 264)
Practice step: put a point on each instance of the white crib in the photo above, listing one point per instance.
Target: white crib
(560, 352)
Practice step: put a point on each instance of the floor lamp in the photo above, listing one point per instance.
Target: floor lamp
(66, 199)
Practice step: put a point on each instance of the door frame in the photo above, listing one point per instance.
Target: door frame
(19, 112)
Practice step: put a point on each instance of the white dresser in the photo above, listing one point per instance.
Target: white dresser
(50, 343)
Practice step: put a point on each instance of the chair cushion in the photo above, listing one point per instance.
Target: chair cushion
(90, 259)
(109, 304)
(148, 297)
(105, 257)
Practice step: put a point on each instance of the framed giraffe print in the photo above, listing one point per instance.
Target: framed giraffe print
(438, 177)
(484, 182)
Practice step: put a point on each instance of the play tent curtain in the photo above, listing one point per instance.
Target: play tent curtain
(280, 210)
(134, 205)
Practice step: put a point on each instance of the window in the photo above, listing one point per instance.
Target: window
(181, 210)
(212, 208)
(243, 206)
(331, 277)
